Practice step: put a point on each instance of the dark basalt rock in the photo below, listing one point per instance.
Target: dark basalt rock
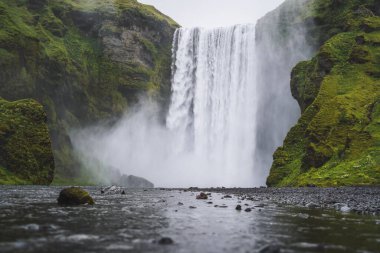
(202, 195)
(238, 208)
(37, 4)
(74, 196)
(166, 241)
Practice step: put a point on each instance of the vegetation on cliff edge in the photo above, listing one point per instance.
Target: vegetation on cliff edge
(337, 139)
(26, 155)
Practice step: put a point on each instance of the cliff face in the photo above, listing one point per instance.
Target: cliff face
(337, 139)
(85, 61)
(25, 149)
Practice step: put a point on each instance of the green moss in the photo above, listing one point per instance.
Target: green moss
(25, 149)
(336, 141)
(8, 178)
(74, 196)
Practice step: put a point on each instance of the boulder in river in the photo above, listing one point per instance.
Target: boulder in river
(74, 196)
(202, 195)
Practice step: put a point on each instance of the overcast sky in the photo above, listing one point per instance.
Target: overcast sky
(214, 13)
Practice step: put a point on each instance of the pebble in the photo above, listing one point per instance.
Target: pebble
(238, 208)
(165, 241)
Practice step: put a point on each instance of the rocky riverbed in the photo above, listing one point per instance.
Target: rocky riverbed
(175, 220)
(360, 200)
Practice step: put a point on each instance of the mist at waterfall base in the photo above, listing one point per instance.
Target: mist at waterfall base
(230, 108)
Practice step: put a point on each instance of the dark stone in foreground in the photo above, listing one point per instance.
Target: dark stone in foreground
(74, 196)
(238, 208)
(165, 241)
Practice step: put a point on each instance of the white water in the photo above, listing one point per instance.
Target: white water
(230, 109)
(212, 108)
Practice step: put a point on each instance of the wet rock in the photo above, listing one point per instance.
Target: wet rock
(345, 209)
(180, 203)
(210, 203)
(227, 197)
(192, 207)
(202, 195)
(238, 208)
(312, 205)
(112, 190)
(248, 210)
(74, 196)
(165, 241)
(270, 249)
(123, 192)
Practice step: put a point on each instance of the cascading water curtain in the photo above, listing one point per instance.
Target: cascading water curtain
(213, 103)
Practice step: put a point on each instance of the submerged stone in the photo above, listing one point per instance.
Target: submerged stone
(74, 196)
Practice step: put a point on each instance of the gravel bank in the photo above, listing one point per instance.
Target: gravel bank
(361, 200)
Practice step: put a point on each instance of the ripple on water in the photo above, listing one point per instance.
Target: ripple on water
(76, 238)
(119, 247)
(31, 227)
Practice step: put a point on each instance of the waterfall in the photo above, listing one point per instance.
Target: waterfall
(230, 108)
(213, 100)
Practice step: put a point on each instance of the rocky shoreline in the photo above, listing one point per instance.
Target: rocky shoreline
(360, 200)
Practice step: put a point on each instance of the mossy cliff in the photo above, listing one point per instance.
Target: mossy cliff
(337, 139)
(83, 60)
(26, 156)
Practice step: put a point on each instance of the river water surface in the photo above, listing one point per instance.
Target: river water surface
(31, 221)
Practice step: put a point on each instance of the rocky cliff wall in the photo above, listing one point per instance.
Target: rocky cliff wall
(84, 61)
(337, 139)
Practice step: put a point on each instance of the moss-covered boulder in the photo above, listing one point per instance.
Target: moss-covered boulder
(336, 142)
(74, 196)
(26, 155)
